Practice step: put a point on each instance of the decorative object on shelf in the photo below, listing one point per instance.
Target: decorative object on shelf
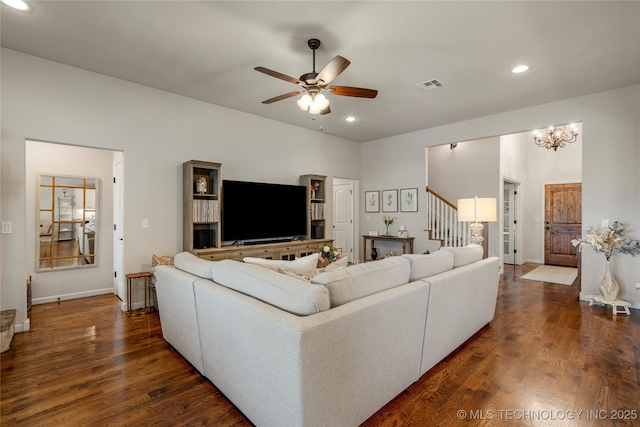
(409, 200)
(329, 253)
(372, 201)
(387, 222)
(315, 186)
(609, 243)
(402, 232)
(374, 253)
(390, 201)
(201, 185)
(555, 137)
(477, 210)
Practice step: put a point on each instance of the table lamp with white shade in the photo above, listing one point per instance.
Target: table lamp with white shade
(477, 210)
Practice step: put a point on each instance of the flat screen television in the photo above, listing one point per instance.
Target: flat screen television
(262, 211)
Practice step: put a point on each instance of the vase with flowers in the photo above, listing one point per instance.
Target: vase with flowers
(329, 254)
(609, 243)
(388, 220)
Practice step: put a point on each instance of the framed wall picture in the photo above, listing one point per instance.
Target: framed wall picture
(409, 200)
(390, 201)
(372, 201)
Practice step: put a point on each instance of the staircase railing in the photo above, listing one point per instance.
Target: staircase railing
(442, 221)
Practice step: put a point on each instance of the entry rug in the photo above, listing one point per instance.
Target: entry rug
(553, 274)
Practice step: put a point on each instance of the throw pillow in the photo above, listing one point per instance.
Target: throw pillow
(294, 275)
(305, 266)
(465, 255)
(157, 260)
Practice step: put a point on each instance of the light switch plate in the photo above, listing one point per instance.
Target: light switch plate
(605, 222)
(7, 227)
(145, 223)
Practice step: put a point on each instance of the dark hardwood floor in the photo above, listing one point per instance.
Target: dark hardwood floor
(545, 357)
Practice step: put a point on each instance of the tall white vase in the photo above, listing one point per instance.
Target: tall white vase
(609, 288)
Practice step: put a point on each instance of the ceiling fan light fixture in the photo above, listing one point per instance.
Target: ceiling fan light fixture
(314, 103)
(305, 102)
(321, 101)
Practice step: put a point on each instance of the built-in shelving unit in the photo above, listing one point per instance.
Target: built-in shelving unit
(316, 204)
(202, 225)
(201, 205)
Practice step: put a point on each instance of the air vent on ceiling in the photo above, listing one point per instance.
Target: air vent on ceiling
(430, 85)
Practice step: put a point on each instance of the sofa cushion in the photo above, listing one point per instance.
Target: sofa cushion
(465, 255)
(305, 265)
(186, 261)
(335, 265)
(294, 275)
(427, 265)
(280, 290)
(360, 280)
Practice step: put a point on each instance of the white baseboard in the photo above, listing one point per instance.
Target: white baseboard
(22, 327)
(533, 261)
(584, 297)
(75, 295)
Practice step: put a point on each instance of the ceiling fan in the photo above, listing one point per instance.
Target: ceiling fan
(313, 84)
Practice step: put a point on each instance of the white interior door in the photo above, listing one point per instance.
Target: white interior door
(343, 218)
(509, 220)
(118, 229)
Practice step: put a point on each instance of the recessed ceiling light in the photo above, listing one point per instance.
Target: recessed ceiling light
(520, 69)
(350, 119)
(17, 4)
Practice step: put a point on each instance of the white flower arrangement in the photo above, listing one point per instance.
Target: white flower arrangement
(609, 243)
(329, 253)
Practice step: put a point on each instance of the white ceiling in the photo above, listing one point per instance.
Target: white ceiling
(207, 50)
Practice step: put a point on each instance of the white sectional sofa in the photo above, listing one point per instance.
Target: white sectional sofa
(332, 352)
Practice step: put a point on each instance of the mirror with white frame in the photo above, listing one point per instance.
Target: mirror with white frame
(67, 222)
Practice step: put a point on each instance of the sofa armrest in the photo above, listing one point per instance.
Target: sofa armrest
(336, 367)
(174, 289)
(461, 302)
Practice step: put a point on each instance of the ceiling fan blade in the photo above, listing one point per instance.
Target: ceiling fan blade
(332, 70)
(279, 75)
(352, 91)
(281, 97)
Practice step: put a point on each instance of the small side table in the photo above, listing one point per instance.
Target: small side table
(147, 292)
(619, 306)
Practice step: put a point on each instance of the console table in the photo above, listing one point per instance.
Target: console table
(406, 242)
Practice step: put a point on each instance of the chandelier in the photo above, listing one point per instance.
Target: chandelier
(314, 102)
(555, 137)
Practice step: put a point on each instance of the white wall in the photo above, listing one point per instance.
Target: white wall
(610, 174)
(158, 131)
(57, 159)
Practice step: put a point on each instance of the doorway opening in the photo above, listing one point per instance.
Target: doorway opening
(511, 241)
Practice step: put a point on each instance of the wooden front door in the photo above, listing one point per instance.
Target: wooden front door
(563, 222)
